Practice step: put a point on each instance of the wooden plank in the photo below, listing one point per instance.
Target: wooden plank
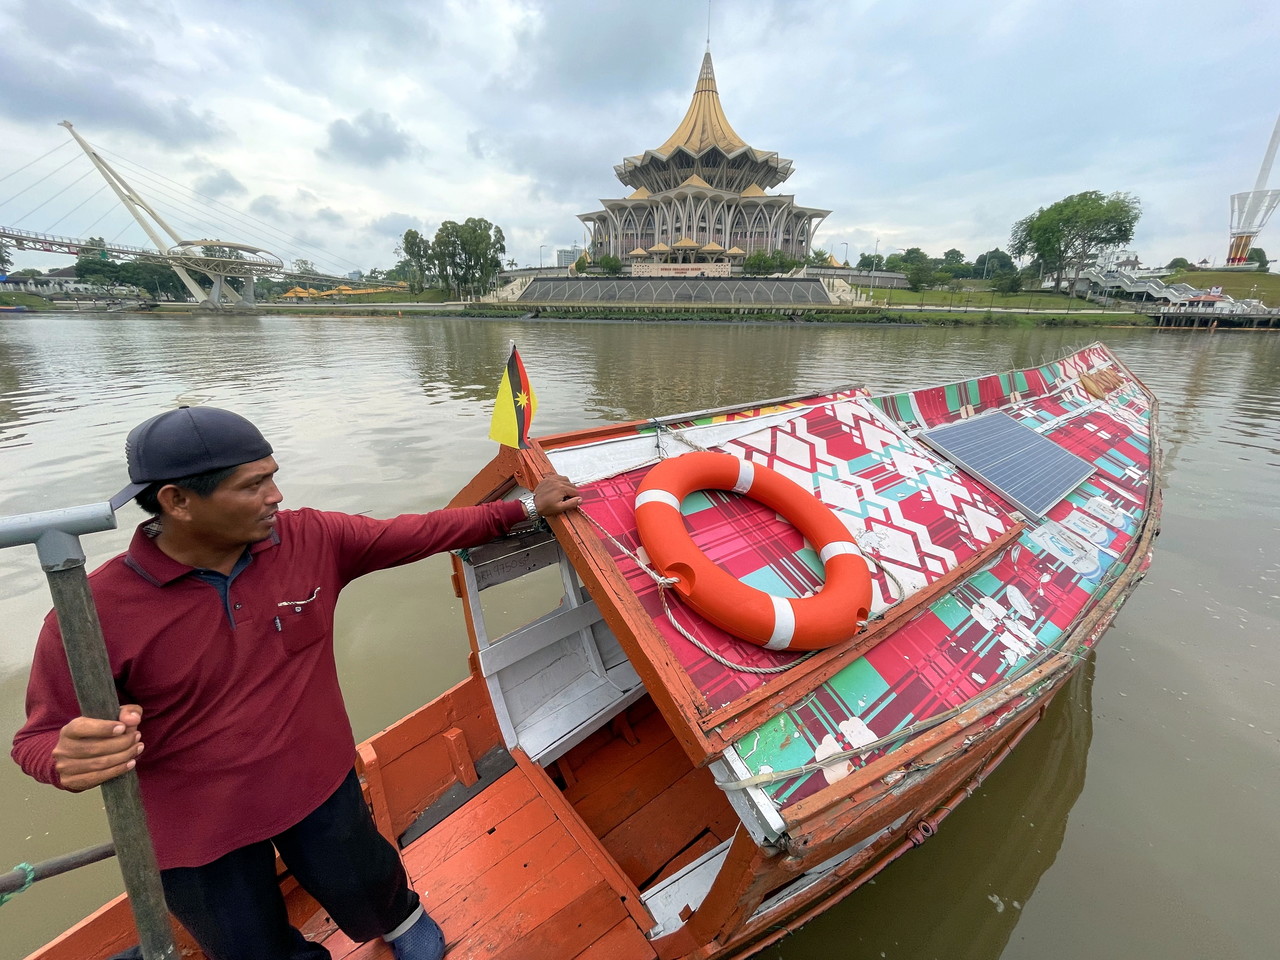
(664, 826)
(488, 770)
(559, 624)
(624, 941)
(597, 764)
(495, 563)
(705, 843)
(589, 842)
(588, 702)
(478, 894)
(632, 788)
(487, 812)
(444, 879)
(566, 901)
(573, 928)
(465, 706)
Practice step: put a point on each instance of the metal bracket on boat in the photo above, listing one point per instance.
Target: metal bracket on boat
(754, 807)
(56, 533)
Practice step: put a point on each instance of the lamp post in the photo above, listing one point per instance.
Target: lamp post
(540, 249)
(845, 244)
(874, 257)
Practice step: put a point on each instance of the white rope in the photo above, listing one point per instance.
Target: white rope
(664, 584)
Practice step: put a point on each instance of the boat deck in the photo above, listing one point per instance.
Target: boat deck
(508, 874)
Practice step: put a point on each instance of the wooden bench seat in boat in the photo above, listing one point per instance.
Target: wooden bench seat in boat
(559, 678)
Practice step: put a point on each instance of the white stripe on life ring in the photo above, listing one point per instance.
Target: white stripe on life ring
(657, 496)
(746, 477)
(784, 624)
(835, 548)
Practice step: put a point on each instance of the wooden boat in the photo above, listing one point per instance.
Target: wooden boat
(619, 778)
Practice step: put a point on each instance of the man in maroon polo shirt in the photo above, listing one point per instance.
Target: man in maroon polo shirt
(218, 622)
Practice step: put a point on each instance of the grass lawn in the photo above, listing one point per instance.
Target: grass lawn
(983, 299)
(28, 300)
(1233, 283)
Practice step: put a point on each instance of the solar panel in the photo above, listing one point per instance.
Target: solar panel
(1027, 469)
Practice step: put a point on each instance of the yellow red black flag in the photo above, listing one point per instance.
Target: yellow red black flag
(516, 405)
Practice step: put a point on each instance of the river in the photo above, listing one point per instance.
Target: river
(1136, 822)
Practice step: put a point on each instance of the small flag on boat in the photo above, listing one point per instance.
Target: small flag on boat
(516, 405)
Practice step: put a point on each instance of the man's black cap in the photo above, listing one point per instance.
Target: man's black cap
(185, 442)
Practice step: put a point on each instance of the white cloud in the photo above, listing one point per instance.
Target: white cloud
(934, 127)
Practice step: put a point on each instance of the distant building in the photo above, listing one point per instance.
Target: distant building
(569, 256)
(700, 197)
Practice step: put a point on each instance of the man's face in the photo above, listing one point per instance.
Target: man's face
(241, 510)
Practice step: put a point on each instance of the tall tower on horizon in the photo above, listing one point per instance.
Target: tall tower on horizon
(1250, 210)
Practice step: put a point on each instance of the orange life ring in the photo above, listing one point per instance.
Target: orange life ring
(830, 616)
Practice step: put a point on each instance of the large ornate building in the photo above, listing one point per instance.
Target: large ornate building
(700, 197)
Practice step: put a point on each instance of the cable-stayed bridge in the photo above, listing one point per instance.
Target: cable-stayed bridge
(220, 260)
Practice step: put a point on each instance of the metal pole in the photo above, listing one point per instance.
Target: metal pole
(56, 534)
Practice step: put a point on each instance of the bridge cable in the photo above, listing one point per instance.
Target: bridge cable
(54, 197)
(65, 143)
(38, 182)
(200, 224)
(243, 217)
(105, 213)
(91, 196)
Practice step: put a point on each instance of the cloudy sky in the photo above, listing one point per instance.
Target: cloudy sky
(324, 130)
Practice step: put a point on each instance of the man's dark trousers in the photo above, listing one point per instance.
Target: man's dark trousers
(233, 906)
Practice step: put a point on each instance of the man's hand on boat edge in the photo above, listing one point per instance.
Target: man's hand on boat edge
(90, 752)
(555, 494)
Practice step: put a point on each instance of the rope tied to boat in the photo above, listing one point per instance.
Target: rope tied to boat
(29, 877)
(664, 585)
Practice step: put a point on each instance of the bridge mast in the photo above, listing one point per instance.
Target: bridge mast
(1251, 210)
(132, 202)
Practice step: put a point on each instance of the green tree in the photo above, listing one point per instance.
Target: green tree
(919, 274)
(611, 265)
(869, 262)
(467, 256)
(416, 249)
(157, 279)
(581, 264)
(93, 264)
(913, 255)
(762, 263)
(1259, 256)
(817, 257)
(895, 263)
(1068, 234)
(1178, 263)
(993, 262)
(953, 258)
(1007, 282)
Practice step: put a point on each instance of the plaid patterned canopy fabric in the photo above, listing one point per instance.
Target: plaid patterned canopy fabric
(915, 515)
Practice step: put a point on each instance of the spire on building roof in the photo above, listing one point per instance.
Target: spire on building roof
(704, 124)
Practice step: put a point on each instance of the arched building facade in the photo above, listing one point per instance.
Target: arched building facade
(700, 197)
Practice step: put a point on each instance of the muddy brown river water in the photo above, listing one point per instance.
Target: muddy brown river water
(1138, 821)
